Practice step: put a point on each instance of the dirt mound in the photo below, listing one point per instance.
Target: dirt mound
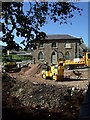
(42, 99)
(34, 69)
(84, 73)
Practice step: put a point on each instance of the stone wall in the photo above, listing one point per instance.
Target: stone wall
(59, 50)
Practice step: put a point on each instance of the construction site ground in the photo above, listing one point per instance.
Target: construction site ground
(33, 73)
(26, 95)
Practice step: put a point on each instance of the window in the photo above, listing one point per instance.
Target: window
(53, 44)
(67, 56)
(40, 56)
(41, 44)
(67, 45)
(54, 58)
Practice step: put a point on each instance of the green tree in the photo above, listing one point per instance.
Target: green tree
(27, 24)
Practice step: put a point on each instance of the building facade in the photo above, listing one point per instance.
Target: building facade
(55, 47)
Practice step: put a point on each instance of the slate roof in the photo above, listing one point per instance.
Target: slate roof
(61, 37)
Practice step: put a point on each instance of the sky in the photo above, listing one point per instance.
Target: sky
(79, 27)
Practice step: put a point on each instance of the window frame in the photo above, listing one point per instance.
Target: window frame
(40, 55)
(54, 45)
(68, 44)
(67, 55)
(41, 44)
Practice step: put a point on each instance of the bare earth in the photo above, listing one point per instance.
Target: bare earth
(31, 97)
(33, 73)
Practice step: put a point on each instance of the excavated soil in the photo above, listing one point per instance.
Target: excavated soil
(27, 96)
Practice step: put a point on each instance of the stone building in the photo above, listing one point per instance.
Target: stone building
(54, 47)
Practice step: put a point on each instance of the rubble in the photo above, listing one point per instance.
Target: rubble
(43, 98)
(26, 94)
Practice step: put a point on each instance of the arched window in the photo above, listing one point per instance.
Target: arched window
(54, 58)
(60, 55)
(53, 53)
(40, 56)
(53, 44)
(67, 56)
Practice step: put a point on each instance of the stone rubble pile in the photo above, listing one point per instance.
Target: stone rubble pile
(48, 96)
(43, 96)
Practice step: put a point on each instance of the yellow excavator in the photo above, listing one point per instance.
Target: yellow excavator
(78, 62)
(55, 72)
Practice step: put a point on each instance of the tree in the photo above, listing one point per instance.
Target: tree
(27, 24)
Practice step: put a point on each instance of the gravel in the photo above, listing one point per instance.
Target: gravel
(42, 99)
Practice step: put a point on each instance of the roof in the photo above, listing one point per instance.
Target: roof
(61, 37)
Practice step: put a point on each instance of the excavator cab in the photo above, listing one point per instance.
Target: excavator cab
(46, 71)
(55, 72)
(58, 72)
(87, 59)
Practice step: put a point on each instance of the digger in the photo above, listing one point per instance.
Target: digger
(78, 62)
(55, 72)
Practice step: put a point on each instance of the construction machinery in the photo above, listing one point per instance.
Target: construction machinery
(78, 62)
(55, 72)
(10, 64)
